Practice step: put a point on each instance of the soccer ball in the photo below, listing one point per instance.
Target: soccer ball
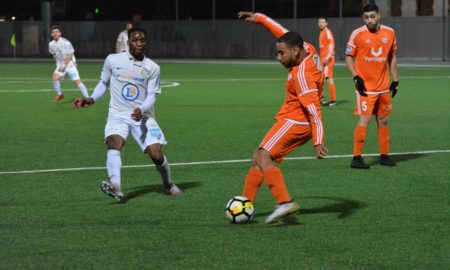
(239, 210)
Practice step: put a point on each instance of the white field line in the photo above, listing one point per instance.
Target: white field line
(163, 85)
(175, 83)
(213, 162)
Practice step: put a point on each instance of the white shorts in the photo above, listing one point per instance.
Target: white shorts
(145, 132)
(71, 71)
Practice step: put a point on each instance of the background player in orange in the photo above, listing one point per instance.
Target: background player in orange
(299, 120)
(370, 50)
(326, 52)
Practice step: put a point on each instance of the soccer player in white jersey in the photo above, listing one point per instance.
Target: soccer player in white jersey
(63, 53)
(134, 84)
(122, 39)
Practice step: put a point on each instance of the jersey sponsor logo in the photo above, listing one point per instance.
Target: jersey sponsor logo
(130, 92)
(374, 53)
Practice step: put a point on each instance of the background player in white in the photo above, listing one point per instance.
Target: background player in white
(63, 53)
(122, 39)
(134, 84)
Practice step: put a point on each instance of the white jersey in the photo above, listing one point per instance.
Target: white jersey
(129, 82)
(60, 49)
(123, 40)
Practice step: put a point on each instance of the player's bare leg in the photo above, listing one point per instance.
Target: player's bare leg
(162, 165)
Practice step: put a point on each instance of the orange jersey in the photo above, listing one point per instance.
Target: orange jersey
(326, 44)
(278, 30)
(302, 102)
(371, 52)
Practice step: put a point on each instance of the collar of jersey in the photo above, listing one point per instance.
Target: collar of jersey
(131, 57)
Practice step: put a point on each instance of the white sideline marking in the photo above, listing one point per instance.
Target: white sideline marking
(214, 162)
(163, 85)
(177, 82)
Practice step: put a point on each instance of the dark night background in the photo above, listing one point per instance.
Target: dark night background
(166, 9)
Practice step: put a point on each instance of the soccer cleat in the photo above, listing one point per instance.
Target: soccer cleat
(358, 163)
(110, 190)
(323, 101)
(282, 211)
(174, 191)
(386, 161)
(58, 98)
(332, 103)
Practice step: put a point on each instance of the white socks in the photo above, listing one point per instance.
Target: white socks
(57, 87)
(83, 89)
(164, 170)
(114, 164)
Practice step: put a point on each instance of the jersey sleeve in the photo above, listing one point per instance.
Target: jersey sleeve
(308, 86)
(330, 44)
(50, 49)
(272, 26)
(154, 84)
(68, 47)
(351, 44)
(105, 76)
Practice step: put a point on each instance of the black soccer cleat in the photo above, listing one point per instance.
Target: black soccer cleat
(358, 163)
(386, 161)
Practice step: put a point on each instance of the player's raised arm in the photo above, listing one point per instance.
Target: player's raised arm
(272, 26)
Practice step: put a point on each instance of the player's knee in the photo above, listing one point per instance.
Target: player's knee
(383, 121)
(155, 154)
(263, 159)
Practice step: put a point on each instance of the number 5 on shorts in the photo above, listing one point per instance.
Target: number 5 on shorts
(364, 105)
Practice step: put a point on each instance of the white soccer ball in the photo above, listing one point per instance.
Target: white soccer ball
(239, 210)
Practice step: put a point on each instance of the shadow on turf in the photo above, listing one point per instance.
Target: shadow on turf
(142, 190)
(398, 158)
(342, 207)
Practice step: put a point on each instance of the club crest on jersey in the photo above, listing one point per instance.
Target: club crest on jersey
(289, 77)
(130, 92)
(348, 50)
(384, 40)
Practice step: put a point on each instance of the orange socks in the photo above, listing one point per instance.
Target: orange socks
(384, 140)
(252, 183)
(275, 180)
(332, 91)
(358, 140)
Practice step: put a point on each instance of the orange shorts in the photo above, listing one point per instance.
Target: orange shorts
(379, 104)
(328, 69)
(284, 137)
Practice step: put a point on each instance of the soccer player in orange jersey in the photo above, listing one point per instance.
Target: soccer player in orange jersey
(369, 54)
(299, 120)
(326, 52)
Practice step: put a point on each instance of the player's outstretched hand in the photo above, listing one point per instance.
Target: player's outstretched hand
(137, 114)
(394, 88)
(359, 84)
(321, 151)
(248, 16)
(82, 102)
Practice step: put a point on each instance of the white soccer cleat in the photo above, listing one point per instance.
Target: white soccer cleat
(282, 211)
(112, 191)
(174, 191)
